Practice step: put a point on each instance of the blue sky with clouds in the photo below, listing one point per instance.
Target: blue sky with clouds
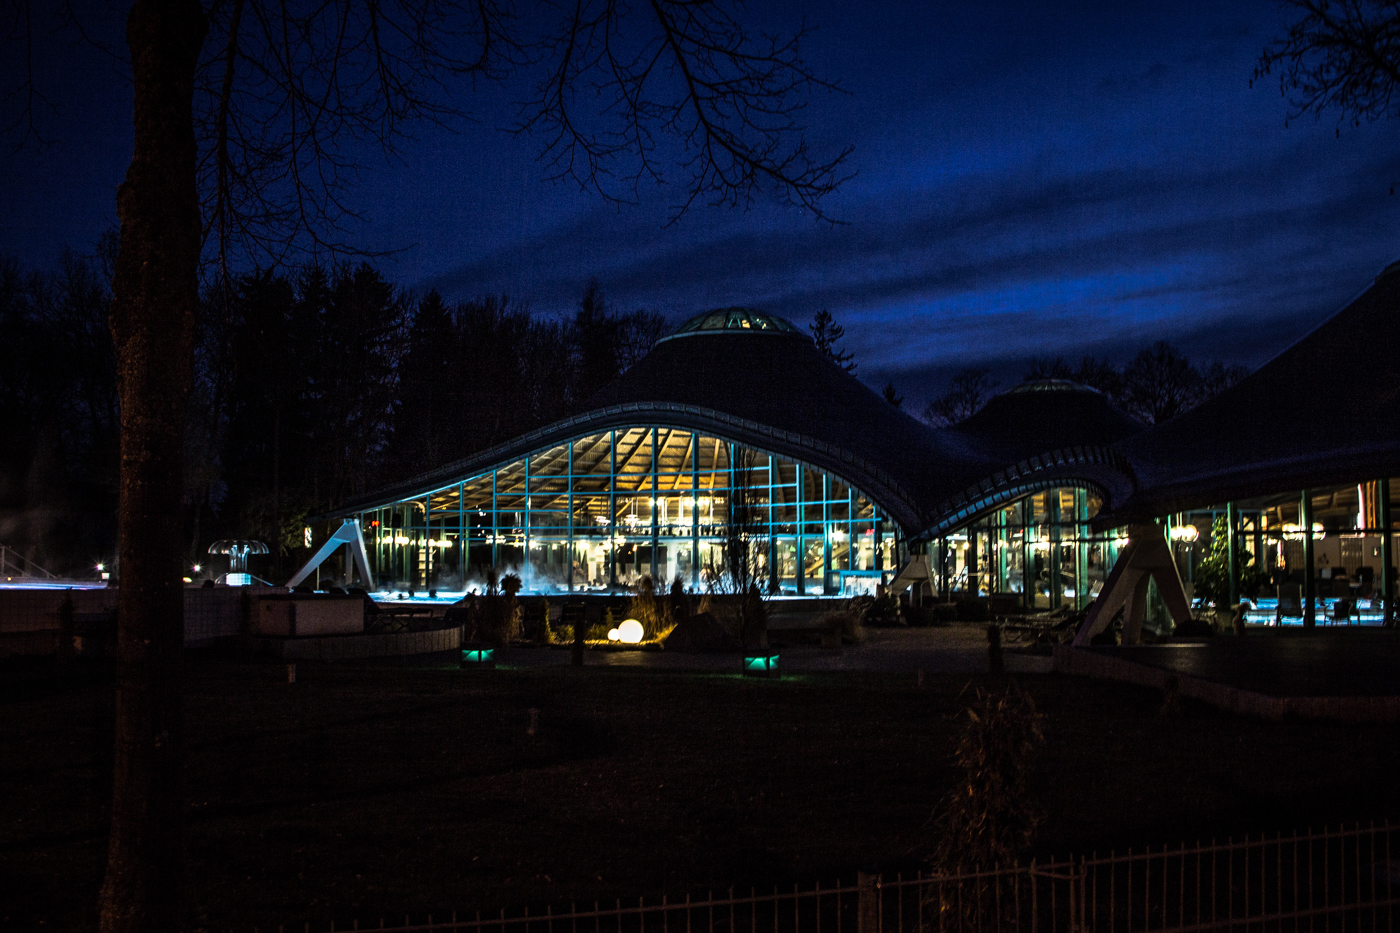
(1032, 179)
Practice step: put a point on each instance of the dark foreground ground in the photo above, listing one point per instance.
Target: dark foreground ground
(379, 789)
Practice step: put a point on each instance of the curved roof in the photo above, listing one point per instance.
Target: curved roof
(1044, 433)
(782, 381)
(740, 319)
(1046, 414)
(1321, 412)
(772, 389)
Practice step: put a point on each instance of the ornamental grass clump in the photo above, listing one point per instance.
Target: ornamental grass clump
(651, 610)
(989, 817)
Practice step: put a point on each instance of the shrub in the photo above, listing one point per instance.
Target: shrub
(727, 610)
(1212, 576)
(876, 611)
(650, 610)
(497, 614)
(680, 602)
(988, 817)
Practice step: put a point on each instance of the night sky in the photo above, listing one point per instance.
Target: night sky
(1033, 179)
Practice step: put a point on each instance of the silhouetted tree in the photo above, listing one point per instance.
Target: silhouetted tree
(258, 122)
(1217, 377)
(58, 414)
(826, 334)
(1338, 55)
(1160, 383)
(892, 397)
(606, 344)
(963, 397)
(1157, 384)
(597, 339)
(428, 390)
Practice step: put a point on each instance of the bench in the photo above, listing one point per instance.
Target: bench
(409, 618)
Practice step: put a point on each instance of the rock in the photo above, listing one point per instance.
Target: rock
(700, 633)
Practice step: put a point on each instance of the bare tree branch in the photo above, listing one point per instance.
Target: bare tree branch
(729, 98)
(1341, 55)
(25, 123)
(289, 91)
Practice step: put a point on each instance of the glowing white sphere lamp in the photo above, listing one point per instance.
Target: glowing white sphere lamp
(630, 632)
(613, 635)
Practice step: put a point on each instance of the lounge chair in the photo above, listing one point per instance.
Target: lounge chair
(1290, 603)
(1342, 610)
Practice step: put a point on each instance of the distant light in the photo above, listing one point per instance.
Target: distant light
(1186, 533)
(630, 632)
(306, 536)
(100, 568)
(197, 568)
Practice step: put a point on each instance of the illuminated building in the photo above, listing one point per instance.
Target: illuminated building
(737, 425)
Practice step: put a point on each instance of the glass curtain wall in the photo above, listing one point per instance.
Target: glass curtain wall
(1313, 553)
(1038, 549)
(606, 509)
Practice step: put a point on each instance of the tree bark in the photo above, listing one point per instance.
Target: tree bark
(155, 288)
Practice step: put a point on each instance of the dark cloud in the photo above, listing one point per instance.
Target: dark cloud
(1034, 179)
(989, 265)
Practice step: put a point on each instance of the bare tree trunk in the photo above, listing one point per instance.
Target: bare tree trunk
(155, 288)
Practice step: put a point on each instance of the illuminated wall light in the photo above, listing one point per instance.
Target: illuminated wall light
(1185, 533)
(1294, 532)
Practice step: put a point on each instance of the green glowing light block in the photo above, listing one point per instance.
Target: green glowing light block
(476, 656)
(761, 665)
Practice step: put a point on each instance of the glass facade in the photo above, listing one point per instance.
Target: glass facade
(605, 509)
(1039, 549)
(1317, 554)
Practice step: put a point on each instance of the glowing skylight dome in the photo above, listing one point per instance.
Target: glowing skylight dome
(734, 319)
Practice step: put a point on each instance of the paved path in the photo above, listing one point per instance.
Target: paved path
(1351, 662)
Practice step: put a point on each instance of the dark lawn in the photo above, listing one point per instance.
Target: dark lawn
(379, 789)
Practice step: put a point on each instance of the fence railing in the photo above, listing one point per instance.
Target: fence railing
(1343, 880)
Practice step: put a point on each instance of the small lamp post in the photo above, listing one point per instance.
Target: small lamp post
(476, 656)
(761, 663)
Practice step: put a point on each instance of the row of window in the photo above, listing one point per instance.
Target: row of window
(571, 517)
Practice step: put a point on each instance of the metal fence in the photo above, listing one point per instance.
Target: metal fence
(1336, 880)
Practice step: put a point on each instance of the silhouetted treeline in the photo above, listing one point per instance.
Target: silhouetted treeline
(311, 388)
(1158, 383)
(58, 413)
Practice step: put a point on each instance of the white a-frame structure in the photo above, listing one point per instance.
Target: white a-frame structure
(1146, 557)
(350, 535)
